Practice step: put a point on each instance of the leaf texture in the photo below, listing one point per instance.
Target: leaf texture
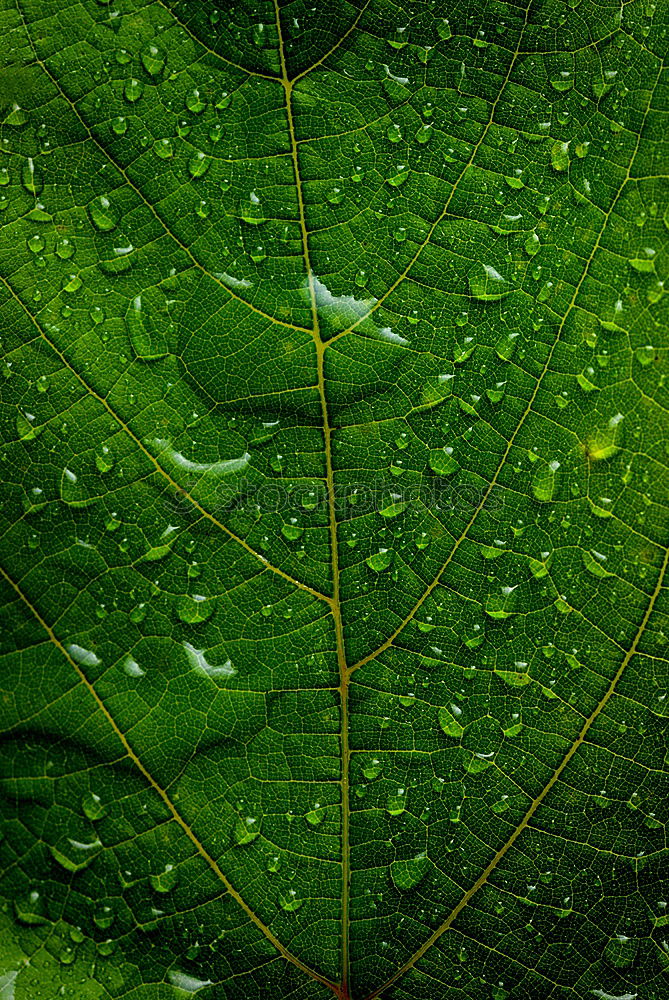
(334, 522)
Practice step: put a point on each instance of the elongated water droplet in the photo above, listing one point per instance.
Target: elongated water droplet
(543, 481)
(31, 177)
(147, 339)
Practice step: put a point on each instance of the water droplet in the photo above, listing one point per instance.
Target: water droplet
(133, 90)
(73, 491)
(194, 609)
(290, 901)
(316, 815)
(101, 214)
(153, 59)
(560, 155)
(166, 880)
(292, 531)
(449, 722)
(104, 458)
(30, 909)
(543, 481)
(442, 461)
(372, 769)
(163, 148)
(532, 245)
(246, 829)
(195, 101)
(199, 164)
(398, 175)
(380, 560)
(31, 177)
(396, 802)
(487, 284)
(25, 426)
(562, 80)
(119, 125)
(104, 918)
(335, 196)
(251, 211)
(72, 283)
(75, 855)
(146, 335)
(17, 115)
(93, 807)
(36, 244)
(407, 874)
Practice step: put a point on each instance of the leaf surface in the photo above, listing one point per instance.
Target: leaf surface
(333, 555)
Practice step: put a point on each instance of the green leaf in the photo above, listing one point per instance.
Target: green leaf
(334, 536)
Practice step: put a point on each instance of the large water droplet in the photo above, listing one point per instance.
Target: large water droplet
(407, 874)
(133, 90)
(487, 284)
(290, 901)
(195, 101)
(560, 155)
(194, 608)
(73, 491)
(442, 461)
(246, 829)
(199, 164)
(101, 214)
(380, 560)
(251, 211)
(75, 855)
(543, 481)
(147, 339)
(166, 880)
(30, 909)
(449, 722)
(31, 177)
(396, 802)
(93, 807)
(153, 59)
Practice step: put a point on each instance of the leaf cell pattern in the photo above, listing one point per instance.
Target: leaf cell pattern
(334, 533)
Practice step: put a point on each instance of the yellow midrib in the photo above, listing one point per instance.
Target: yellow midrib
(319, 346)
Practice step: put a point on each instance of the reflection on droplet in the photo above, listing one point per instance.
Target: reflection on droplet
(199, 662)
